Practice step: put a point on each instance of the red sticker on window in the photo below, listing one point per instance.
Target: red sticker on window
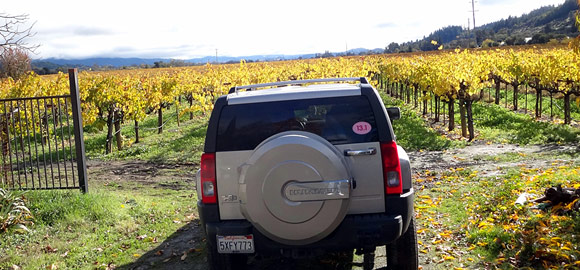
(361, 128)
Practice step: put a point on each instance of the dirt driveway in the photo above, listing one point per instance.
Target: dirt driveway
(185, 249)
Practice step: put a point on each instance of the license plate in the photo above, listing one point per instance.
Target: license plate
(235, 244)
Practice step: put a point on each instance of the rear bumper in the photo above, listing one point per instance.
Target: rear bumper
(355, 231)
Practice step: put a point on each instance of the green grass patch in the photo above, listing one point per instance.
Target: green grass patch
(106, 226)
(492, 123)
(412, 132)
(176, 144)
(527, 102)
(498, 124)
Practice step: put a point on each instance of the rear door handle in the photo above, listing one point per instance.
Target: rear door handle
(366, 152)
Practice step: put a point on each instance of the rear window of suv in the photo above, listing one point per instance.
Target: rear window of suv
(340, 120)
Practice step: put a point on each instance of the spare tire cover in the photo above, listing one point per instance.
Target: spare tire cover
(295, 188)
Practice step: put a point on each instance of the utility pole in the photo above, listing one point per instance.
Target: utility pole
(473, 11)
(473, 14)
(468, 24)
(468, 32)
(216, 58)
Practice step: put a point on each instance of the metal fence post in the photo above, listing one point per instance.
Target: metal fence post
(78, 129)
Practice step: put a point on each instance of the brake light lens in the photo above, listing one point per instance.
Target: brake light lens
(391, 168)
(208, 182)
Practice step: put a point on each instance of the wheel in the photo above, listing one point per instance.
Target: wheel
(403, 253)
(369, 261)
(218, 261)
(341, 260)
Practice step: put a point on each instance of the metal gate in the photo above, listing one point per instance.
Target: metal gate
(41, 141)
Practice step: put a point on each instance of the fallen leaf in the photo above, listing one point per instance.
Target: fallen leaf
(159, 252)
(49, 249)
(184, 256)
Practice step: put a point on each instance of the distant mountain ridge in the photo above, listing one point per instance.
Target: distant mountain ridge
(114, 62)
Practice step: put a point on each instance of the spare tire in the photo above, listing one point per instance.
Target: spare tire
(295, 188)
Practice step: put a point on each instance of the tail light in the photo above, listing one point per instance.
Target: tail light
(208, 183)
(391, 168)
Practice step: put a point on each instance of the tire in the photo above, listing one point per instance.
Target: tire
(343, 260)
(403, 253)
(369, 261)
(218, 261)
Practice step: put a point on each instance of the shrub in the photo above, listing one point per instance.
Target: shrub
(14, 62)
(14, 215)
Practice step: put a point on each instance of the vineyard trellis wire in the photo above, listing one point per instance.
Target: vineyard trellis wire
(463, 77)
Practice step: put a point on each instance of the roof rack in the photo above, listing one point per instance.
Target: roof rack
(296, 82)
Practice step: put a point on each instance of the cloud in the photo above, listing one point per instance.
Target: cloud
(491, 2)
(72, 31)
(386, 25)
(184, 51)
(91, 31)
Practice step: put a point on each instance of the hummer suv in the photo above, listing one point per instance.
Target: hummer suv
(298, 168)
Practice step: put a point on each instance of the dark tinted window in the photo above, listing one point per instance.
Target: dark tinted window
(340, 120)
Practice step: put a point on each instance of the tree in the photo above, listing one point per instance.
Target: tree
(14, 48)
(14, 62)
(489, 43)
(392, 48)
(14, 32)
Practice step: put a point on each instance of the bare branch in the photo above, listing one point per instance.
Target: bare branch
(14, 32)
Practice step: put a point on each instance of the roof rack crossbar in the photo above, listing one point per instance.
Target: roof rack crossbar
(296, 82)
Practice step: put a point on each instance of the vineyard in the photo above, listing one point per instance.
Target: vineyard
(143, 203)
(463, 77)
(450, 77)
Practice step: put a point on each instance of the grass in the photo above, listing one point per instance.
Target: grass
(108, 226)
(117, 223)
(461, 226)
(530, 106)
(177, 144)
(521, 156)
(492, 123)
(500, 125)
(413, 134)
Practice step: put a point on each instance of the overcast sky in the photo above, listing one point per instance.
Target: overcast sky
(190, 29)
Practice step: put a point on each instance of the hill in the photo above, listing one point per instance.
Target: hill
(543, 25)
